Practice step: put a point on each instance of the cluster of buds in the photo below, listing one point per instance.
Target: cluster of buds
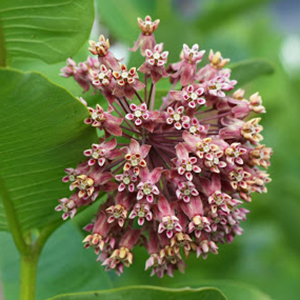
(176, 176)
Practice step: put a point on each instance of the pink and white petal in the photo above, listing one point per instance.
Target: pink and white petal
(196, 169)
(150, 198)
(121, 187)
(65, 216)
(148, 216)
(169, 234)
(129, 116)
(58, 207)
(141, 221)
(131, 187)
(189, 176)
(110, 219)
(88, 152)
(101, 161)
(91, 161)
(139, 195)
(161, 228)
(143, 107)
(239, 161)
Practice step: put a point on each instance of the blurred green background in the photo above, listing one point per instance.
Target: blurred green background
(267, 255)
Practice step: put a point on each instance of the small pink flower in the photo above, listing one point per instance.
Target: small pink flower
(147, 188)
(185, 165)
(217, 60)
(190, 96)
(105, 57)
(127, 180)
(220, 84)
(168, 221)
(260, 156)
(123, 256)
(139, 114)
(85, 185)
(186, 68)
(104, 120)
(234, 153)
(206, 246)
(68, 206)
(146, 39)
(186, 190)
(142, 211)
(155, 63)
(251, 130)
(177, 118)
(256, 104)
(196, 128)
(135, 157)
(102, 152)
(127, 82)
(238, 177)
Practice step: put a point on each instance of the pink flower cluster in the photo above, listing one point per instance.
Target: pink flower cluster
(176, 170)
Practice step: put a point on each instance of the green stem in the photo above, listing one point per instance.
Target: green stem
(29, 263)
(28, 276)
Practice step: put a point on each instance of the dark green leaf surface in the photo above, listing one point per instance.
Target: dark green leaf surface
(42, 132)
(50, 30)
(148, 293)
(64, 266)
(248, 70)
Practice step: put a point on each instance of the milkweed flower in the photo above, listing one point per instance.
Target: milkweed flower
(176, 169)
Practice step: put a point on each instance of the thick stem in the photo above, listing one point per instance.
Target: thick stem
(29, 264)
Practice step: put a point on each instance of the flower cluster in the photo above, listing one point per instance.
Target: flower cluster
(176, 169)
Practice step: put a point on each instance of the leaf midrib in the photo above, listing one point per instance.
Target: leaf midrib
(2, 47)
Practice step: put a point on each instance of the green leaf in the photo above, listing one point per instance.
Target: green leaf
(236, 290)
(64, 266)
(248, 70)
(148, 293)
(42, 132)
(50, 30)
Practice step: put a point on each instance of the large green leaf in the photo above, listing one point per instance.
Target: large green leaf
(64, 266)
(50, 30)
(42, 132)
(148, 293)
(248, 70)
